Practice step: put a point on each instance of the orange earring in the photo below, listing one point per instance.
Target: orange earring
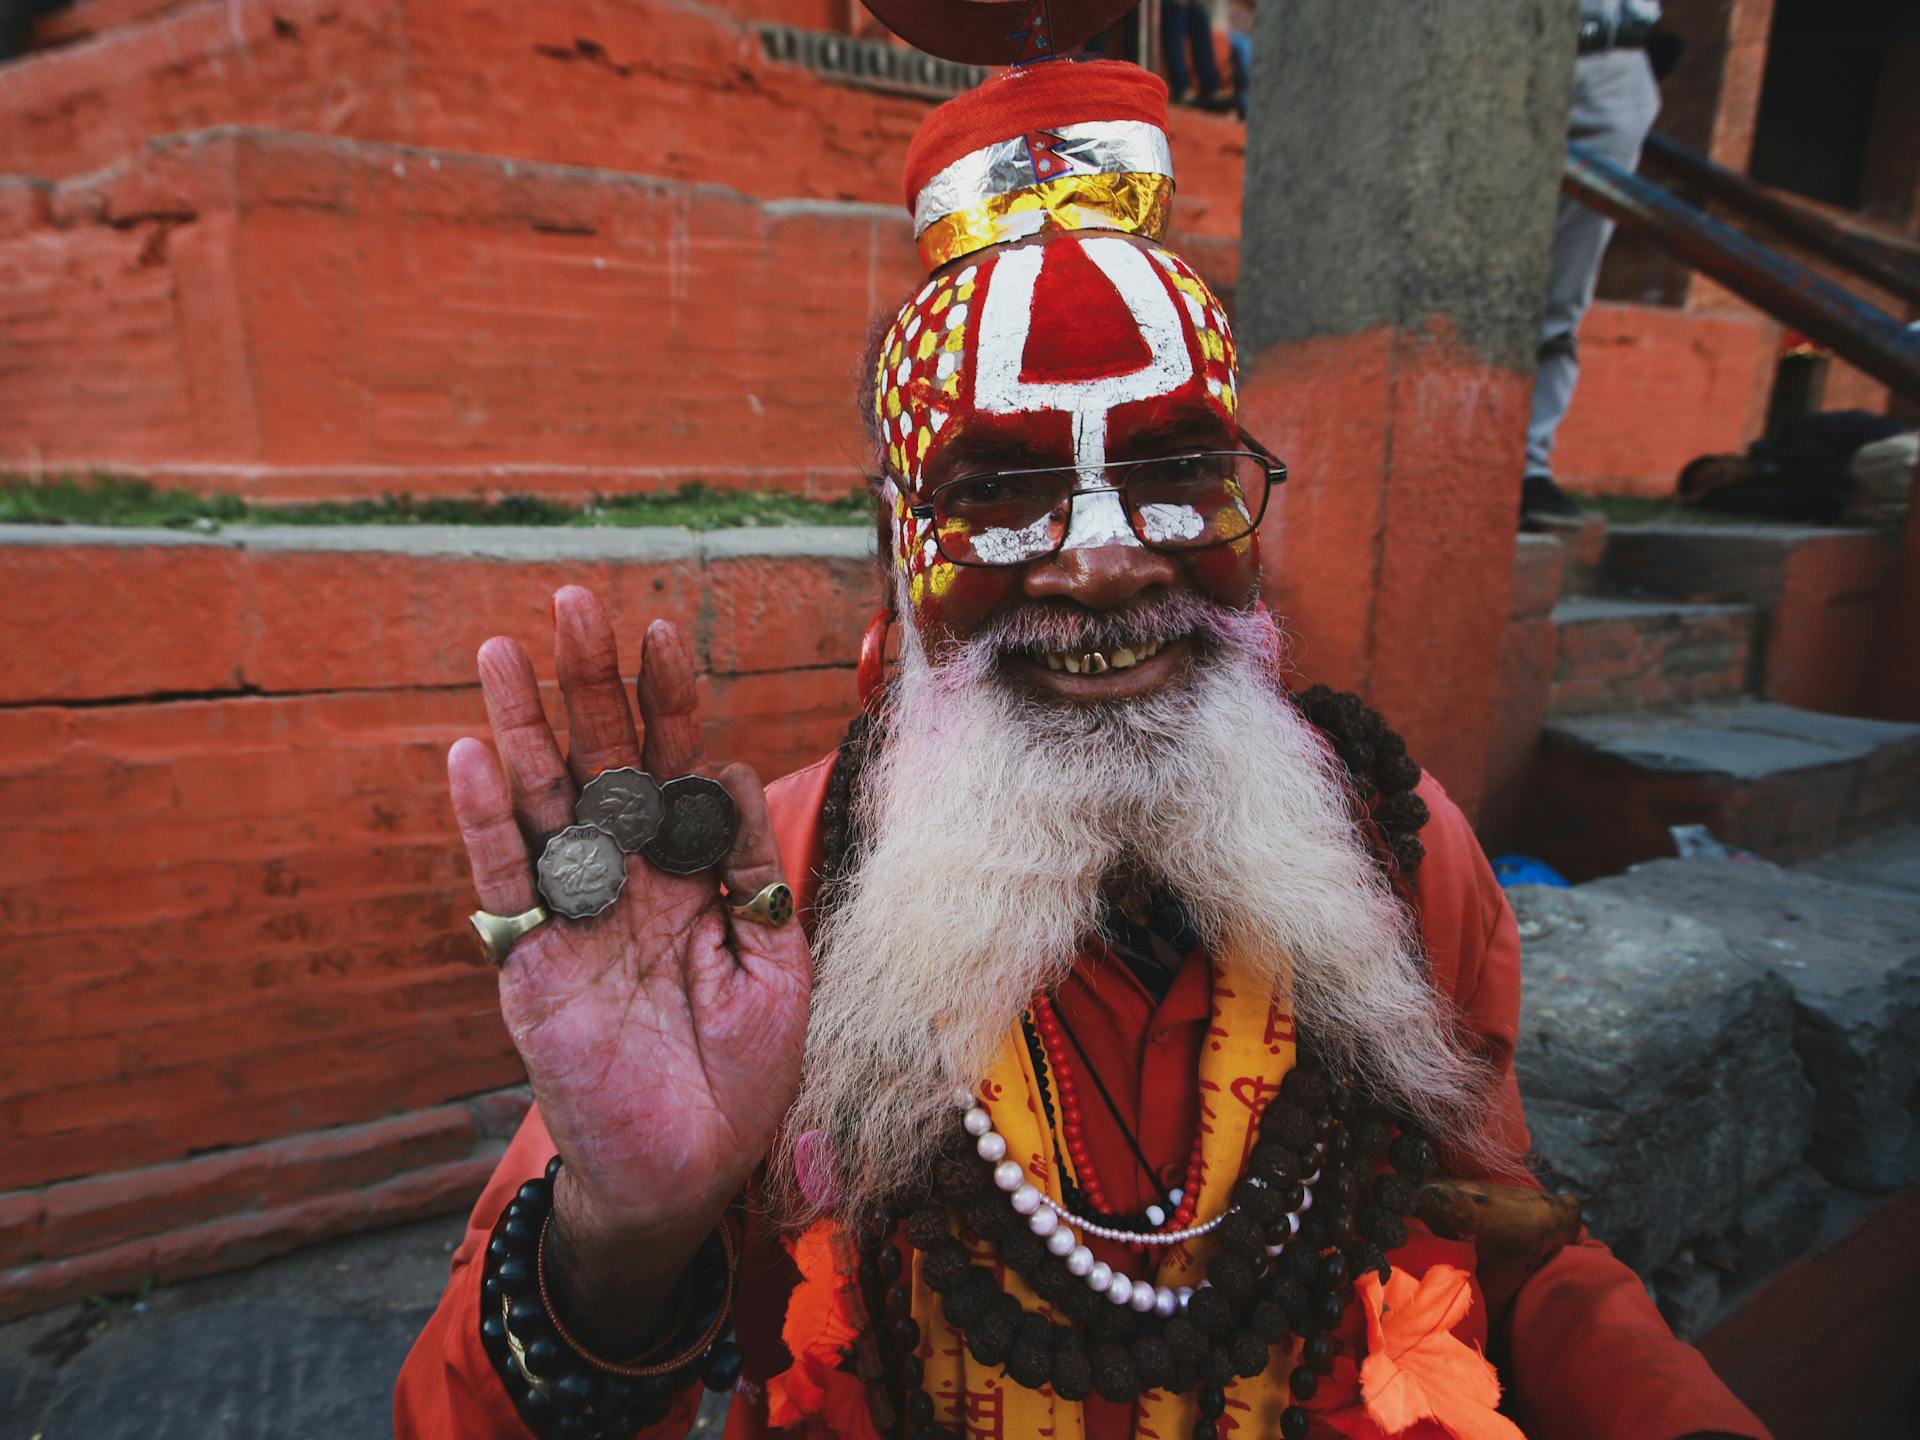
(871, 674)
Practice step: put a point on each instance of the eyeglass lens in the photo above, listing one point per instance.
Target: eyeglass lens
(1185, 502)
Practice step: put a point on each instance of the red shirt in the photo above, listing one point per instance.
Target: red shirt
(1587, 1356)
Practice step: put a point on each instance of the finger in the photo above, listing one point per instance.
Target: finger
(754, 861)
(536, 775)
(599, 720)
(752, 864)
(668, 705)
(483, 809)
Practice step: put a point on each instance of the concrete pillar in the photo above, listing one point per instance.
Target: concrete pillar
(1403, 165)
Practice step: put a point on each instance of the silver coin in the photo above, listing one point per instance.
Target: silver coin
(625, 803)
(699, 826)
(581, 872)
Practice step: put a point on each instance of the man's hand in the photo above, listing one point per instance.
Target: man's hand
(662, 1039)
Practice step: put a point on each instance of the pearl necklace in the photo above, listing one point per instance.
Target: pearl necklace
(1052, 1222)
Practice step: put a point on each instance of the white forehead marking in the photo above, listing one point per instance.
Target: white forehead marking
(1006, 321)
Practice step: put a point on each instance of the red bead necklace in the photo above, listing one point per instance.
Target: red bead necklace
(1072, 1133)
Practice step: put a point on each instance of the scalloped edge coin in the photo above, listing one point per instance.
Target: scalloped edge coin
(684, 849)
(577, 845)
(606, 803)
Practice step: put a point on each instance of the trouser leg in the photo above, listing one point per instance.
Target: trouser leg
(1614, 104)
(1206, 69)
(1173, 44)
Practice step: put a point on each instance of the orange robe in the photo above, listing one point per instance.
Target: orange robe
(1585, 1355)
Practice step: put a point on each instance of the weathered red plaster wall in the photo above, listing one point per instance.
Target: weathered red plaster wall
(644, 86)
(237, 915)
(299, 317)
(1659, 387)
(301, 320)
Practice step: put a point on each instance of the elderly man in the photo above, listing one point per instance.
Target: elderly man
(1131, 1002)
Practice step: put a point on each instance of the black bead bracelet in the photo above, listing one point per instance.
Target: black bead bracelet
(559, 1389)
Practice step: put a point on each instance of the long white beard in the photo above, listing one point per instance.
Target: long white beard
(992, 821)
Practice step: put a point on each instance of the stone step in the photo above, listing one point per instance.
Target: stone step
(654, 87)
(302, 317)
(1888, 860)
(577, 81)
(1817, 590)
(1582, 540)
(1628, 654)
(86, 19)
(1851, 958)
(1783, 782)
(1688, 998)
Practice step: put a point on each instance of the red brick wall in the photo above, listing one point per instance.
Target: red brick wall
(1659, 387)
(300, 317)
(232, 895)
(297, 318)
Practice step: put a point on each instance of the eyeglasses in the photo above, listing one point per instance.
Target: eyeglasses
(1173, 503)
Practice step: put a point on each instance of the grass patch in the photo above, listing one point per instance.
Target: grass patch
(1637, 509)
(115, 500)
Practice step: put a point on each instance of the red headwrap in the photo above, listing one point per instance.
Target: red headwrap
(1067, 145)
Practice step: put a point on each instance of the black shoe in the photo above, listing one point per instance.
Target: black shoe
(1540, 496)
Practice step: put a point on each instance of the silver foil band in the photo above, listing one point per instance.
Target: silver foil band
(1094, 147)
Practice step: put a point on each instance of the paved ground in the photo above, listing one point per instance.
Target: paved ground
(305, 1346)
(301, 1348)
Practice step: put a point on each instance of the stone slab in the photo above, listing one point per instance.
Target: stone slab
(1538, 571)
(533, 543)
(1746, 563)
(1618, 654)
(1888, 860)
(1657, 1067)
(1785, 783)
(1754, 740)
(1585, 609)
(1817, 589)
(1852, 960)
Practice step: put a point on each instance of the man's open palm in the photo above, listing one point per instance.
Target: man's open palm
(663, 1038)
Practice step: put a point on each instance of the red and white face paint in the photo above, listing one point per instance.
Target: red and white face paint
(1071, 347)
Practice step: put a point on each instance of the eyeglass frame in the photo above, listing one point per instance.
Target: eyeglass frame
(1276, 474)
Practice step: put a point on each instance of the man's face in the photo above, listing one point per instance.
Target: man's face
(1075, 351)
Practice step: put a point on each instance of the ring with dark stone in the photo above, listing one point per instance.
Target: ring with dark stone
(625, 803)
(582, 871)
(698, 828)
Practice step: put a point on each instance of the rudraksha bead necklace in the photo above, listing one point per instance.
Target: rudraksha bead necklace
(1284, 1269)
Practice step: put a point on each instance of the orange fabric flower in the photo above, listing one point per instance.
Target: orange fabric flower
(1417, 1375)
(814, 1390)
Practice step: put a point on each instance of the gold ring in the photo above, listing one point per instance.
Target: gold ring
(772, 906)
(499, 933)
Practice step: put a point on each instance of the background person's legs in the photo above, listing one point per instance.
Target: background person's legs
(1173, 44)
(1614, 104)
(1185, 29)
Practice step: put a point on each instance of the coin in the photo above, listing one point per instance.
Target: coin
(581, 872)
(625, 803)
(699, 826)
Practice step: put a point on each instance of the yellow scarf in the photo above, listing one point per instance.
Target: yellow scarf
(1249, 1048)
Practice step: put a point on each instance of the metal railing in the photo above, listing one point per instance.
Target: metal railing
(1861, 334)
(1809, 228)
